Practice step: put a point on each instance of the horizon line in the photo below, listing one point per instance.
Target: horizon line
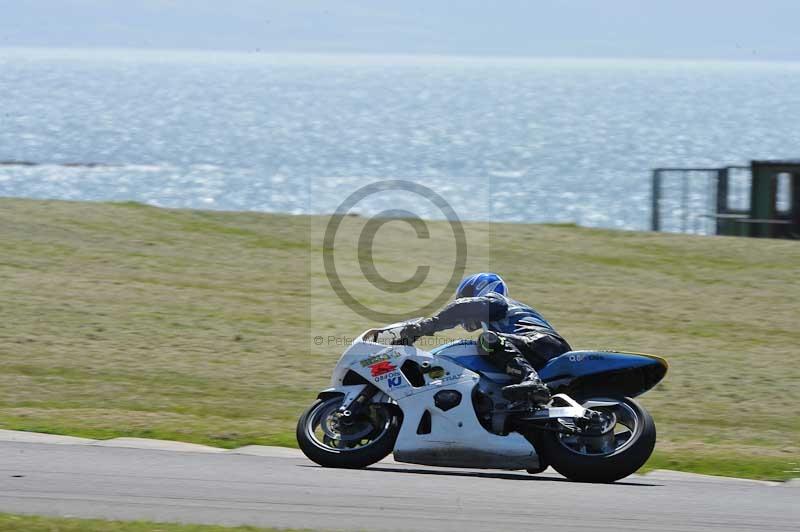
(408, 57)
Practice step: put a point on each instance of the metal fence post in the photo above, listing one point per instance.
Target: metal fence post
(656, 214)
(685, 206)
(722, 200)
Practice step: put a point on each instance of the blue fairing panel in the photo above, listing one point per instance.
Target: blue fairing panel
(476, 363)
(605, 372)
(583, 363)
(465, 353)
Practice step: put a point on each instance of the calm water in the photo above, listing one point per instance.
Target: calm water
(524, 140)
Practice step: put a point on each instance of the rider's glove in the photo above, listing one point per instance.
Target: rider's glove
(409, 334)
(413, 331)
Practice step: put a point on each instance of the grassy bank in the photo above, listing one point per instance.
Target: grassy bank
(127, 320)
(15, 523)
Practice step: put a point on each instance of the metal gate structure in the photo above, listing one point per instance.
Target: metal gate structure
(699, 200)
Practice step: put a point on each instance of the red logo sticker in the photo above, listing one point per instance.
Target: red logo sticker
(382, 368)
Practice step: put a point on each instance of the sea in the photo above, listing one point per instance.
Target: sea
(501, 139)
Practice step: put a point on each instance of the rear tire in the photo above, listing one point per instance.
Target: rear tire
(603, 468)
(326, 455)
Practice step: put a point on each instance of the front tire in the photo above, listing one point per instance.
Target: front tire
(604, 459)
(365, 441)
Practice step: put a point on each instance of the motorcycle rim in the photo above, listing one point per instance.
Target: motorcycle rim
(326, 429)
(624, 433)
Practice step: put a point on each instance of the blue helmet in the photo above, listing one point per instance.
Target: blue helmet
(481, 284)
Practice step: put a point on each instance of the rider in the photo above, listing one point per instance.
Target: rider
(518, 338)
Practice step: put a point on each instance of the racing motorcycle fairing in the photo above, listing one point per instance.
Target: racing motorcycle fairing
(438, 428)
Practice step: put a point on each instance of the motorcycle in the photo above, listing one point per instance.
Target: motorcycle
(445, 408)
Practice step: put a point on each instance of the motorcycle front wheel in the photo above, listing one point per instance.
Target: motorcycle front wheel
(331, 440)
(619, 452)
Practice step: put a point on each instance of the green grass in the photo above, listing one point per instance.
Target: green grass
(725, 464)
(15, 523)
(128, 320)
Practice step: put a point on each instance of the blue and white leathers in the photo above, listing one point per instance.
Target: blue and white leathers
(501, 313)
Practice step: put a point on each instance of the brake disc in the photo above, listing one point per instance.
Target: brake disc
(343, 430)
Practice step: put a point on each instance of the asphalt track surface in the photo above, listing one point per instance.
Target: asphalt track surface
(280, 488)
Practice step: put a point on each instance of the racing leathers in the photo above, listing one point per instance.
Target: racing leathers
(518, 339)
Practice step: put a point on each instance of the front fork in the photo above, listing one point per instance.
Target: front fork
(355, 402)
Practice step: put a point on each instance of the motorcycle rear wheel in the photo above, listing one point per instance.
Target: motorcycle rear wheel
(605, 459)
(329, 442)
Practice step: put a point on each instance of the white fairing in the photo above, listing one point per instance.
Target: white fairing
(456, 437)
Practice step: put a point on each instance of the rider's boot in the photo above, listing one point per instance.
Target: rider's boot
(530, 388)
